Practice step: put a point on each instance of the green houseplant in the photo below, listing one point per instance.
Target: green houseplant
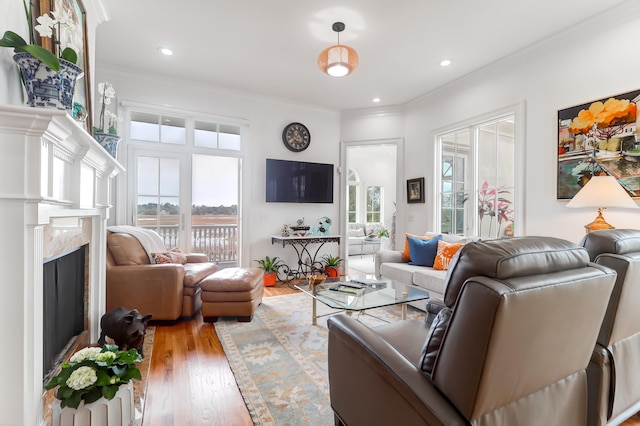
(93, 373)
(270, 266)
(331, 265)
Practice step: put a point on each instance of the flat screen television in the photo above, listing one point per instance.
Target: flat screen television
(299, 182)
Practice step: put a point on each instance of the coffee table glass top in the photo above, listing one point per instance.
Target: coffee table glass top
(344, 293)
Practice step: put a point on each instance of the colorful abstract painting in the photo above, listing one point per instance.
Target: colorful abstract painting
(599, 138)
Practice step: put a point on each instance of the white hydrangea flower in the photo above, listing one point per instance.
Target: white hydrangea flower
(86, 353)
(105, 356)
(82, 378)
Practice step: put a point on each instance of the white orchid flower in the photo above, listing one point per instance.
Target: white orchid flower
(45, 26)
(64, 19)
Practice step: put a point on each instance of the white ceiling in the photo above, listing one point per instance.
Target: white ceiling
(270, 47)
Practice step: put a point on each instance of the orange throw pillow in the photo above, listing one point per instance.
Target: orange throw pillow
(445, 253)
(405, 253)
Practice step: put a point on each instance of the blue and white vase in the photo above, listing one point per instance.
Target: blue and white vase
(45, 87)
(108, 142)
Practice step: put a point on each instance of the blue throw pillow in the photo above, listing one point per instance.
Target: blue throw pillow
(423, 252)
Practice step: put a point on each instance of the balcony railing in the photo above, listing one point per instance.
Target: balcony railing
(218, 242)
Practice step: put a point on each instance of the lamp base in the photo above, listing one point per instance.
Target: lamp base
(598, 224)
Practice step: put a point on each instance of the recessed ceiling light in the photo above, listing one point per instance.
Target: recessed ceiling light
(376, 100)
(165, 51)
(445, 63)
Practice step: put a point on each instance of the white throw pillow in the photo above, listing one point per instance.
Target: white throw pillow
(358, 232)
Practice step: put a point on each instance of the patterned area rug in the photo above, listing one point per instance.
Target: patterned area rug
(279, 359)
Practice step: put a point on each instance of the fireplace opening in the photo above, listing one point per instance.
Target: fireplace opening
(64, 306)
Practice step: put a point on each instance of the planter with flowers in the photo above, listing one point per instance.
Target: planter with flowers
(107, 133)
(49, 81)
(94, 387)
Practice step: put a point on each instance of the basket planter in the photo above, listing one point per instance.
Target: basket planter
(119, 411)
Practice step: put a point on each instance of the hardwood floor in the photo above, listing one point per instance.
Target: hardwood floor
(190, 382)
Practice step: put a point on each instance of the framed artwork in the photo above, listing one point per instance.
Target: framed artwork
(77, 39)
(596, 138)
(415, 190)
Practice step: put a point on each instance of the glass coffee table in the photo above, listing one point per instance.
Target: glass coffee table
(357, 294)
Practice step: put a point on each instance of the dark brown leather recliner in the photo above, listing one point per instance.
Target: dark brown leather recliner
(614, 371)
(512, 349)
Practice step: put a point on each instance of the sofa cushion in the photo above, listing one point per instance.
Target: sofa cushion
(430, 279)
(174, 255)
(355, 232)
(402, 272)
(445, 254)
(423, 252)
(434, 340)
(126, 250)
(196, 272)
(406, 255)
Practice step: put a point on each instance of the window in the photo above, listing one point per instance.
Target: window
(374, 204)
(157, 128)
(477, 178)
(213, 135)
(187, 181)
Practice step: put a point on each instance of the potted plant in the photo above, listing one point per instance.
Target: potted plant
(106, 132)
(41, 68)
(92, 376)
(270, 267)
(331, 265)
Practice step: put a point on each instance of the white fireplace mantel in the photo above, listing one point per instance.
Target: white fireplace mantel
(50, 167)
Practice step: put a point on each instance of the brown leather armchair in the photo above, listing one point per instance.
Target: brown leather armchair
(512, 349)
(614, 371)
(167, 291)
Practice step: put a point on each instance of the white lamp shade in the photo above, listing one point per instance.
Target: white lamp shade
(602, 191)
(338, 60)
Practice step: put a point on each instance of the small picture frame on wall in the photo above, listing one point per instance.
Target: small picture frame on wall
(415, 190)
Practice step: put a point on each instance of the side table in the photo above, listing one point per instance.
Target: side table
(301, 246)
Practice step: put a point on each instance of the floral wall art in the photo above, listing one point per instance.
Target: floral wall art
(596, 138)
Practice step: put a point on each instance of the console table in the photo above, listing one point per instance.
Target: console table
(301, 246)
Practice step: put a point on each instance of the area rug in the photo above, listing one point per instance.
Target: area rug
(140, 386)
(364, 264)
(279, 359)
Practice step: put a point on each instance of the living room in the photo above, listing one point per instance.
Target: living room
(592, 58)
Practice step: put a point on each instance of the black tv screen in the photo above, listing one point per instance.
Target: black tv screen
(299, 182)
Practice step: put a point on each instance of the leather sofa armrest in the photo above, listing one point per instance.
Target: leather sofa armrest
(372, 383)
(384, 256)
(197, 258)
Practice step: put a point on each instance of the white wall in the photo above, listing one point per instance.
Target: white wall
(594, 61)
(267, 117)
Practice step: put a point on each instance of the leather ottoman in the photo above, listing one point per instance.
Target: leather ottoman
(231, 292)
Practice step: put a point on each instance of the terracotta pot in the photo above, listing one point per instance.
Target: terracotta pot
(270, 279)
(332, 272)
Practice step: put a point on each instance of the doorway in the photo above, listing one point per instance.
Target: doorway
(369, 191)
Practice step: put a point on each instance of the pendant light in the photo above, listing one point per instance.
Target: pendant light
(338, 60)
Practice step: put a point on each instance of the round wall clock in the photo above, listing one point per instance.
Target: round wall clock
(296, 137)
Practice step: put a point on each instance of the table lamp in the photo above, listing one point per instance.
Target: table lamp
(602, 192)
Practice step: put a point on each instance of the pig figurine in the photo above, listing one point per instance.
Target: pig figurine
(125, 328)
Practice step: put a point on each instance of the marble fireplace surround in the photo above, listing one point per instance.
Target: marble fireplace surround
(55, 183)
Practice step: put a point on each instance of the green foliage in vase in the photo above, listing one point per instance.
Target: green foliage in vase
(47, 26)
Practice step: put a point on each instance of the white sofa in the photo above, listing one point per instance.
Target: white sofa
(390, 264)
(362, 238)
